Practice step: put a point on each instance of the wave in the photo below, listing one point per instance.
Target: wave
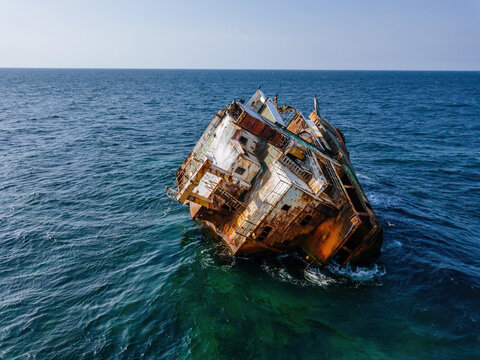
(318, 278)
(333, 274)
(358, 273)
(457, 105)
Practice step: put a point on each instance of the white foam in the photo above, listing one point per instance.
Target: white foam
(358, 273)
(280, 274)
(317, 278)
(393, 244)
(363, 176)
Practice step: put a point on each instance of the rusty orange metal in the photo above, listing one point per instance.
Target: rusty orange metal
(265, 178)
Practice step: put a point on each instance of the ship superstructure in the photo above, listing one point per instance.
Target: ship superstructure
(266, 178)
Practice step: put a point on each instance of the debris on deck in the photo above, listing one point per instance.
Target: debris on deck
(266, 178)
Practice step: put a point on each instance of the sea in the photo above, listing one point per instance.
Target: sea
(96, 262)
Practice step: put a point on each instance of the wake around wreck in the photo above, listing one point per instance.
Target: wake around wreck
(266, 178)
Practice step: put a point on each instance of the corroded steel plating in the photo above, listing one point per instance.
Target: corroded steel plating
(266, 178)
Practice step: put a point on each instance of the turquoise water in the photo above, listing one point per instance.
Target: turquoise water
(97, 263)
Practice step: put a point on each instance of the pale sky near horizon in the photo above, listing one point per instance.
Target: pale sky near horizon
(222, 34)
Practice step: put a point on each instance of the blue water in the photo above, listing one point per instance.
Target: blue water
(97, 263)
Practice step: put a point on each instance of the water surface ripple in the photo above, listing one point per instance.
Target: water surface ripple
(97, 263)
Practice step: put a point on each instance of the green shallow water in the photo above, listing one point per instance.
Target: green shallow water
(97, 263)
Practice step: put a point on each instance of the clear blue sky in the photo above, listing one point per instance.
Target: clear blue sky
(341, 34)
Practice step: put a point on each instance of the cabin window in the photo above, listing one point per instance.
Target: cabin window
(306, 220)
(243, 140)
(239, 170)
(266, 230)
(286, 207)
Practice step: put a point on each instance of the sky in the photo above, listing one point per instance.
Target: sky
(223, 34)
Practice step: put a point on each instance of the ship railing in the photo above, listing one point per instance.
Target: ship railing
(333, 175)
(171, 193)
(229, 200)
(299, 170)
(187, 169)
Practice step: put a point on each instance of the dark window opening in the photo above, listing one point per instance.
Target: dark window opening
(357, 204)
(341, 256)
(331, 144)
(354, 241)
(306, 220)
(266, 230)
(346, 180)
(286, 207)
(360, 234)
(236, 110)
(293, 157)
(243, 140)
(226, 207)
(243, 195)
(239, 170)
(367, 225)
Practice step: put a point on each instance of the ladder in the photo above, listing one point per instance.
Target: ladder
(229, 200)
(296, 168)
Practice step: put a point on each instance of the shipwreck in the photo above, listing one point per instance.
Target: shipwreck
(266, 178)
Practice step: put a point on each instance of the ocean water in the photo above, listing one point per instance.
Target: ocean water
(97, 263)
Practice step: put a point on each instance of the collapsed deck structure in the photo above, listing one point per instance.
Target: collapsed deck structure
(266, 178)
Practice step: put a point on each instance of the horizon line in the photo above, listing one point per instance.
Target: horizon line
(228, 69)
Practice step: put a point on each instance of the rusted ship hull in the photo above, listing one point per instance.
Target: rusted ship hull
(266, 178)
